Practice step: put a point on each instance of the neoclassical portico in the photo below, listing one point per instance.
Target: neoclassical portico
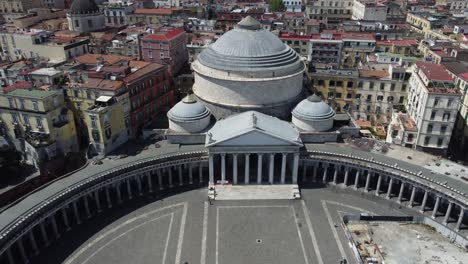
(253, 148)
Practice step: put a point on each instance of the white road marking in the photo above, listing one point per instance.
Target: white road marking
(346, 205)
(168, 238)
(312, 233)
(217, 232)
(254, 206)
(204, 234)
(129, 221)
(300, 235)
(332, 227)
(181, 235)
(123, 234)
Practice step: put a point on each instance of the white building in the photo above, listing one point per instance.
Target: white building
(433, 105)
(85, 16)
(369, 10)
(293, 5)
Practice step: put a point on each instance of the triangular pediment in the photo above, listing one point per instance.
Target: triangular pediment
(255, 137)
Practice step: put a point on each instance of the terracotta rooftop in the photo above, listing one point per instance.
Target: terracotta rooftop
(289, 35)
(373, 74)
(17, 85)
(434, 72)
(156, 11)
(101, 84)
(108, 59)
(359, 36)
(399, 42)
(151, 68)
(166, 34)
(407, 122)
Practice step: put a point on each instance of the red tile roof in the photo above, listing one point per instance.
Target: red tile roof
(464, 76)
(101, 84)
(398, 42)
(435, 72)
(17, 85)
(108, 59)
(358, 36)
(150, 69)
(156, 11)
(289, 35)
(165, 34)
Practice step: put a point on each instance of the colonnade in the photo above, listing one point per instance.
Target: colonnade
(242, 171)
(90, 203)
(384, 184)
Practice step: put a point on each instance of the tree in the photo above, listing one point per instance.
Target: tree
(276, 6)
(10, 160)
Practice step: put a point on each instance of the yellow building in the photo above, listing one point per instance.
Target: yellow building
(40, 118)
(102, 107)
(337, 87)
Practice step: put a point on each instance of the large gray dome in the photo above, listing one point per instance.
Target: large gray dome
(248, 47)
(80, 7)
(313, 108)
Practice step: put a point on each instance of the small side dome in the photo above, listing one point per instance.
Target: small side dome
(313, 114)
(189, 115)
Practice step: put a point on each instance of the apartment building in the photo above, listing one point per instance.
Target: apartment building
(12, 9)
(433, 102)
(166, 46)
(331, 10)
(154, 16)
(406, 47)
(300, 43)
(41, 44)
(326, 50)
(369, 10)
(356, 48)
(38, 121)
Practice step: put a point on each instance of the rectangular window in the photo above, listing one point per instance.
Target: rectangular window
(26, 119)
(449, 102)
(371, 85)
(77, 23)
(369, 97)
(14, 117)
(440, 141)
(11, 102)
(90, 23)
(427, 139)
(359, 84)
(22, 103)
(35, 105)
(93, 121)
(433, 114)
(446, 116)
(443, 129)
(88, 94)
(39, 121)
(380, 98)
(429, 128)
(382, 86)
(392, 87)
(436, 101)
(76, 93)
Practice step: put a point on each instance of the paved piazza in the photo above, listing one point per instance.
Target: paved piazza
(186, 228)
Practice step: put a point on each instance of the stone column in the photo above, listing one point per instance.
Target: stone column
(377, 189)
(169, 170)
(33, 242)
(119, 194)
(160, 183)
(259, 168)
(247, 168)
(295, 168)
(346, 175)
(65, 218)
(77, 215)
(190, 173)
(304, 172)
(335, 174)
(356, 180)
(447, 214)
(223, 168)
(181, 180)
(423, 204)
(413, 194)
(211, 170)
(54, 226)
(150, 184)
(366, 187)
(140, 189)
(436, 207)
(234, 168)
(200, 172)
(400, 194)
(460, 219)
(325, 171)
(314, 175)
(283, 167)
(129, 189)
(272, 168)
(10, 256)
(22, 251)
(108, 198)
(86, 204)
(97, 201)
(45, 237)
(389, 191)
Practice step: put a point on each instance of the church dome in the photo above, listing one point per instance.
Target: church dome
(189, 115)
(81, 7)
(248, 47)
(313, 114)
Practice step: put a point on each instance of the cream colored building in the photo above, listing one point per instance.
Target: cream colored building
(40, 118)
